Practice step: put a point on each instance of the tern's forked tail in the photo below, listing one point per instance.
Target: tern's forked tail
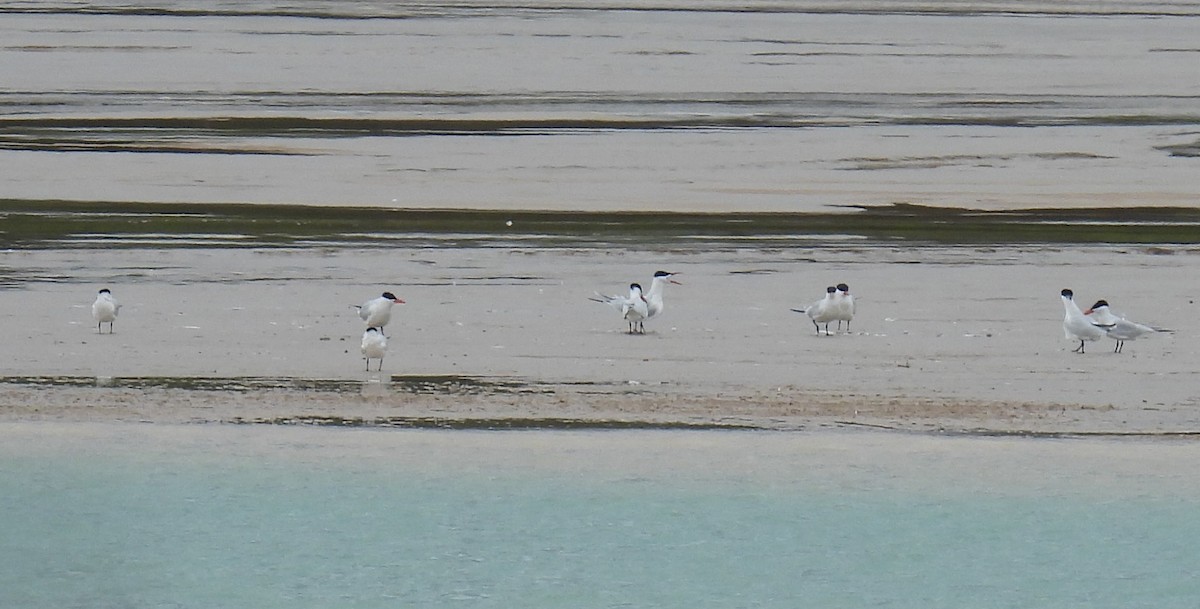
(612, 301)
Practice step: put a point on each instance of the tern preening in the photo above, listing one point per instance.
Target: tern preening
(1078, 326)
(105, 310)
(823, 311)
(639, 306)
(374, 346)
(1116, 326)
(377, 312)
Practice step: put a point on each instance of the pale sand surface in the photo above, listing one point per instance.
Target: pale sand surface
(797, 171)
(946, 338)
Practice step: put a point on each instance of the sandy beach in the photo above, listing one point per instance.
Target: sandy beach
(113, 178)
(961, 339)
(242, 174)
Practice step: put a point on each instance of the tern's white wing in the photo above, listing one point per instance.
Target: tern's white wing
(1077, 326)
(374, 344)
(105, 309)
(616, 302)
(635, 307)
(1128, 330)
(1116, 326)
(824, 310)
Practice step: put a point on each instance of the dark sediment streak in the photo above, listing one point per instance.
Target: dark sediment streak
(720, 111)
(348, 10)
(37, 224)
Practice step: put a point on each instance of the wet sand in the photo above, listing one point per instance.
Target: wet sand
(791, 108)
(959, 339)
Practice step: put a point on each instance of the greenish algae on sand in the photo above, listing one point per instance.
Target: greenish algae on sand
(65, 224)
(421, 383)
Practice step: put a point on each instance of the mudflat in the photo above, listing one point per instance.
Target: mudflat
(946, 337)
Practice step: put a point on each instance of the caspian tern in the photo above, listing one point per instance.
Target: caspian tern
(377, 312)
(374, 346)
(1116, 327)
(844, 304)
(105, 310)
(822, 311)
(634, 308)
(1078, 326)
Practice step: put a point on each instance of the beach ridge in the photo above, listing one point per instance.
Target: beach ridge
(387, 403)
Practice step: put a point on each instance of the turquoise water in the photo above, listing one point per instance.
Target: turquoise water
(207, 517)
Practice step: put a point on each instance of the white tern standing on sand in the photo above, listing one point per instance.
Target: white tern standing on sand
(374, 346)
(844, 304)
(1115, 326)
(377, 312)
(638, 305)
(654, 298)
(822, 311)
(1076, 325)
(105, 310)
(634, 308)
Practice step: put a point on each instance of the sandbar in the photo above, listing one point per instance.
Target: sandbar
(951, 339)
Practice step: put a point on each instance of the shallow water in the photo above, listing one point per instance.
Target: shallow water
(675, 106)
(682, 105)
(162, 516)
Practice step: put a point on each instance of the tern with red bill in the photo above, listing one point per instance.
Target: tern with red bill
(1116, 326)
(377, 312)
(654, 298)
(844, 306)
